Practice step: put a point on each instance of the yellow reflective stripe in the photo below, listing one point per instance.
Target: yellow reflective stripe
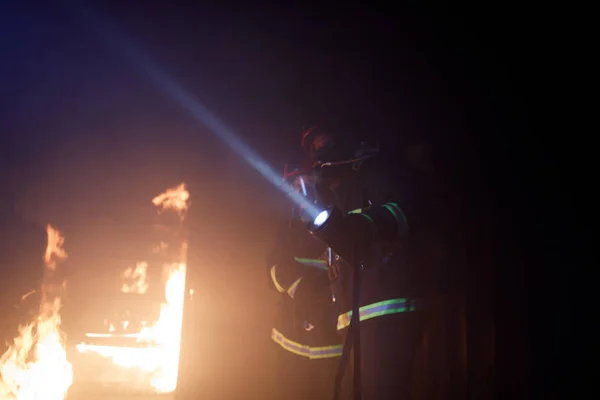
(360, 211)
(279, 288)
(289, 345)
(368, 218)
(393, 210)
(319, 353)
(314, 353)
(292, 290)
(378, 309)
(398, 214)
(312, 262)
(396, 210)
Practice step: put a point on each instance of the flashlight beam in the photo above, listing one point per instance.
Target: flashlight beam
(201, 113)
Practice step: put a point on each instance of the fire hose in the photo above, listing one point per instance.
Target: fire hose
(352, 341)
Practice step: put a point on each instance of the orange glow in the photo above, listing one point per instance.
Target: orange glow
(35, 367)
(160, 355)
(176, 199)
(135, 279)
(54, 250)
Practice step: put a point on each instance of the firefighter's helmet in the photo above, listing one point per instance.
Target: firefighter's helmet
(319, 143)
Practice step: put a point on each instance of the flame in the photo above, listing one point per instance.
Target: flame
(173, 199)
(54, 250)
(160, 357)
(35, 367)
(135, 279)
(166, 333)
(160, 248)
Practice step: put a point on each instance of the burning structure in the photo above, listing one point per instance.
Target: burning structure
(140, 340)
(135, 345)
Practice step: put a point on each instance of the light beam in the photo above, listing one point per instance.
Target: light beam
(189, 102)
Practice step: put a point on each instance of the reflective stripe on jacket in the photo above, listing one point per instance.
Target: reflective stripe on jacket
(307, 262)
(291, 290)
(312, 262)
(314, 353)
(386, 307)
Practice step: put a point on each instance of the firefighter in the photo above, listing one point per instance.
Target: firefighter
(378, 212)
(308, 345)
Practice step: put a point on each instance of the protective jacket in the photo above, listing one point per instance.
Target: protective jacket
(382, 211)
(306, 319)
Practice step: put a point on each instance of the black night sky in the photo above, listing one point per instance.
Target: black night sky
(88, 140)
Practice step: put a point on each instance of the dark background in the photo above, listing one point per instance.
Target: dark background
(88, 140)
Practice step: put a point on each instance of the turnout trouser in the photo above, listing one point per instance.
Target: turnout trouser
(389, 351)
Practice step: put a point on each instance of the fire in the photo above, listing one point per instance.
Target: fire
(35, 367)
(166, 333)
(160, 357)
(175, 199)
(135, 279)
(160, 248)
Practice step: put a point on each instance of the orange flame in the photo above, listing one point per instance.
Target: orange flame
(175, 199)
(135, 279)
(35, 367)
(161, 357)
(54, 250)
(161, 247)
